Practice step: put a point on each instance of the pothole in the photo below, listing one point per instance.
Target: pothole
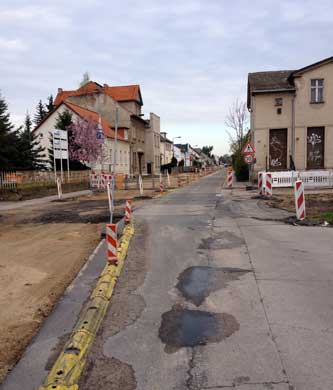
(224, 240)
(196, 283)
(181, 327)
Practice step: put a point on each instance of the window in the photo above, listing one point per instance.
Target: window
(317, 90)
(278, 101)
(279, 111)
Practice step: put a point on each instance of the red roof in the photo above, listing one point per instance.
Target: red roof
(119, 93)
(94, 116)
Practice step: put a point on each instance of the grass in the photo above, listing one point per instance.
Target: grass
(324, 216)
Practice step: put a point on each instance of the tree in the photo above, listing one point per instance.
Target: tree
(50, 104)
(31, 153)
(40, 114)
(85, 79)
(85, 146)
(207, 150)
(8, 139)
(236, 121)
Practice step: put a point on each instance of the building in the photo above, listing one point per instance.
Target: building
(292, 117)
(127, 102)
(166, 149)
(152, 144)
(45, 128)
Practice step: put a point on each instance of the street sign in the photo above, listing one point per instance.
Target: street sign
(60, 144)
(249, 158)
(248, 150)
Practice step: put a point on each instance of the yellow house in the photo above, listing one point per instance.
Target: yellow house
(291, 115)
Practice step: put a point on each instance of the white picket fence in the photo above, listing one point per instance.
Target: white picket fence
(311, 179)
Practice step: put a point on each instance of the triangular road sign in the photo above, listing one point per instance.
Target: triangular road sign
(248, 149)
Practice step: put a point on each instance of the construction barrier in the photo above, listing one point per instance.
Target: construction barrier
(110, 199)
(140, 185)
(179, 181)
(299, 199)
(260, 183)
(112, 243)
(268, 187)
(230, 179)
(161, 183)
(59, 188)
(128, 211)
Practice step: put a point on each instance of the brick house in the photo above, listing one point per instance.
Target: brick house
(291, 117)
(104, 99)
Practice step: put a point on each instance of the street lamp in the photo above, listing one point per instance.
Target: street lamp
(173, 144)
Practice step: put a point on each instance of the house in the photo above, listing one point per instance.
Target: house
(291, 115)
(45, 128)
(152, 144)
(188, 155)
(125, 102)
(166, 149)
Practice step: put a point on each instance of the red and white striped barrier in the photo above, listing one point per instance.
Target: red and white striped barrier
(112, 243)
(230, 178)
(268, 184)
(260, 183)
(299, 200)
(128, 211)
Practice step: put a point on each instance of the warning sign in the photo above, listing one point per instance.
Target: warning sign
(248, 149)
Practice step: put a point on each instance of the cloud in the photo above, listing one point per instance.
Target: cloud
(12, 45)
(191, 58)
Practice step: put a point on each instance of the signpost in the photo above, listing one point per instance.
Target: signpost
(60, 150)
(249, 152)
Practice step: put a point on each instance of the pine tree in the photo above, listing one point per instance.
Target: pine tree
(50, 104)
(8, 139)
(32, 154)
(40, 114)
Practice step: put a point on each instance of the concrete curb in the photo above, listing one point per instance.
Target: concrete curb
(67, 369)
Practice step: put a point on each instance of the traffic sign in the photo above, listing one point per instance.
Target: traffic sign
(249, 158)
(248, 149)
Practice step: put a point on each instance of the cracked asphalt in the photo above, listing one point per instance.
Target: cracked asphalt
(217, 293)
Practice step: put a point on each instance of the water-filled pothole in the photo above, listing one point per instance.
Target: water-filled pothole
(196, 283)
(181, 327)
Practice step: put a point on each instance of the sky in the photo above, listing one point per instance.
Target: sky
(190, 57)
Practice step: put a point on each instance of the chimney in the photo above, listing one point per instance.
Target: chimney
(59, 90)
(105, 85)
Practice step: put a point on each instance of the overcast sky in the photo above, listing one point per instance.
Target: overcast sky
(191, 58)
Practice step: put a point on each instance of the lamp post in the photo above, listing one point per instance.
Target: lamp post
(173, 145)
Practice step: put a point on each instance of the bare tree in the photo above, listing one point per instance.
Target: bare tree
(237, 121)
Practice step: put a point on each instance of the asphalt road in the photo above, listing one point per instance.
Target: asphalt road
(217, 295)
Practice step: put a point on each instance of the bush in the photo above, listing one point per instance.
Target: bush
(241, 168)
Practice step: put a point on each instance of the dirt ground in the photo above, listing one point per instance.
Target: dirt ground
(319, 204)
(42, 248)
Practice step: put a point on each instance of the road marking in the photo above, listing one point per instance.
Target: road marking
(66, 371)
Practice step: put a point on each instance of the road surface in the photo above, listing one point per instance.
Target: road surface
(217, 295)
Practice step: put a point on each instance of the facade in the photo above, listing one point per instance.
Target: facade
(166, 149)
(292, 117)
(152, 144)
(127, 102)
(45, 128)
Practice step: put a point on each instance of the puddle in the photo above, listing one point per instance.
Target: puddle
(188, 328)
(196, 283)
(224, 240)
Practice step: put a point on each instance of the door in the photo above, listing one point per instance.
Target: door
(315, 147)
(149, 170)
(278, 140)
